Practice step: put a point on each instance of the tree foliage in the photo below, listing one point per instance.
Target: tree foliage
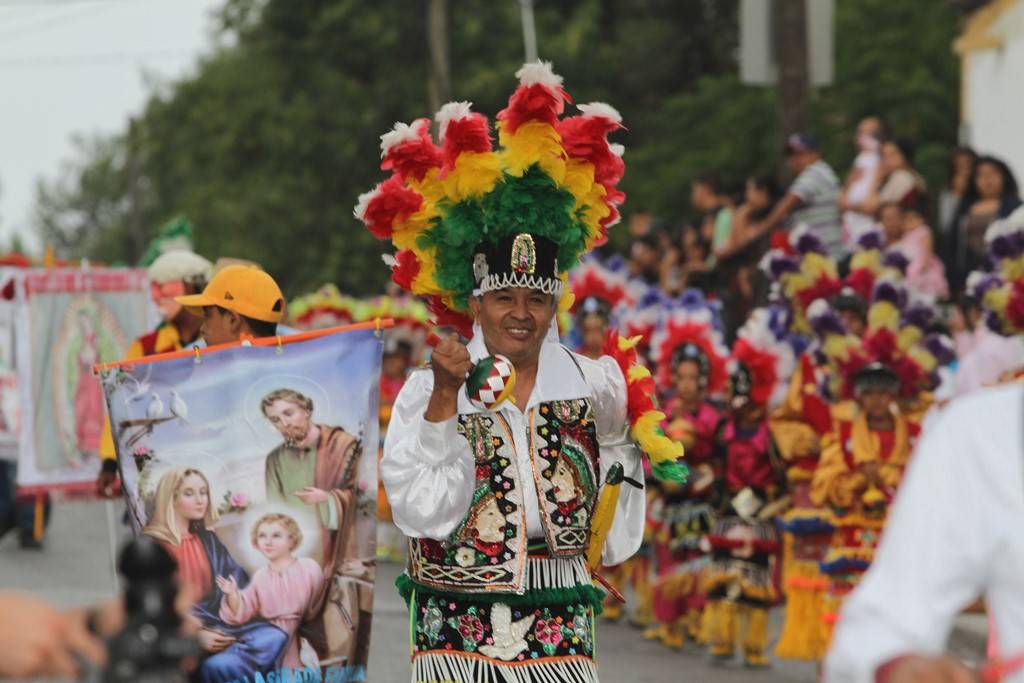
(268, 144)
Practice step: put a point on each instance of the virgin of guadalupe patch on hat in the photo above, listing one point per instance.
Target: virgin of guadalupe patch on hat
(524, 254)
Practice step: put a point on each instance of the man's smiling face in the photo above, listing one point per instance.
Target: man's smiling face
(514, 321)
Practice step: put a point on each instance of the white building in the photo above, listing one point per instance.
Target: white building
(991, 50)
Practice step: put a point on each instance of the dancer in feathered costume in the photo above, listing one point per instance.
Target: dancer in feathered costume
(325, 308)
(799, 426)
(739, 582)
(873, 432)
(503, 503)
(692, 366)
(1001, 292)
(804, 273)
(598, 292)
(637, 320)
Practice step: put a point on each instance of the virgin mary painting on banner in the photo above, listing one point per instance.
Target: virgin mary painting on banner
(247, 465)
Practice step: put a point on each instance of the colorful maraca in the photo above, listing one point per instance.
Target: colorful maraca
(490, 381)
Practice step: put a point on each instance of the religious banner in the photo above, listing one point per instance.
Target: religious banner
(68, 320)
(247, 464)
(10, 407)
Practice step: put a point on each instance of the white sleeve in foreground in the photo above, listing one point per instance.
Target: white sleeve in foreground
(939, 543)
(427, 468)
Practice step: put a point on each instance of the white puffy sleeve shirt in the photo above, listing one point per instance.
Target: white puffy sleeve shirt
(955, 532)
(428, 469)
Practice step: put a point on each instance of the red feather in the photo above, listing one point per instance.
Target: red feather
(696, 333)
(592, 285)
(469, 134)
(446, 317)
(780, 240)
(761, 365)
(824, 287)
(393, 202)
(537, 102)
(586, 137)
(405, 270)
(413, 158)
(1015, 305)
(639, 393)
(862, 281)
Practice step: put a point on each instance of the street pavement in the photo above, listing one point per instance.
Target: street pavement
(75, 569)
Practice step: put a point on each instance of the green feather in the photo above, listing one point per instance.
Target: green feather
(671, 471)
(530, 203)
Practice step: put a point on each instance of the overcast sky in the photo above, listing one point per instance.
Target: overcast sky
(80, 66)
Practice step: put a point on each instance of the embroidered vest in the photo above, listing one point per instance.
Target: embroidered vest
(487, 550)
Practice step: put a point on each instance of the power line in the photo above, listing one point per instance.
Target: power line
(41, 4)
(30, 29)
(99, 59)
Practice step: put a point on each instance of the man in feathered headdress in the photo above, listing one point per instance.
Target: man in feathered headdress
(488, 236)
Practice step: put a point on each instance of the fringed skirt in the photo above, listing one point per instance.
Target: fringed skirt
(545, 634)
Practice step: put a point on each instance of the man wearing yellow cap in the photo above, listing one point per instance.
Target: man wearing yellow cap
(240, 302)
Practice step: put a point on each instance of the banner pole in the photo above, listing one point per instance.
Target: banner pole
(112, 543)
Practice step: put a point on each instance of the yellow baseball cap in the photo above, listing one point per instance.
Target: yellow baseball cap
(246, 290)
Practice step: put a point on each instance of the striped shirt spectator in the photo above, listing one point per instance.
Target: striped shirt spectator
(818, 188)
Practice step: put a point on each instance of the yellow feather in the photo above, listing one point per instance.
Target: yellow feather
(908, 337)
(871, 260)
(637, 373)
(601, 522)
(534, 142)
(474, 175)
(883, 315)
(627, 343)
(579, 179)
(657, 446)
(567, 300)
(1012, 269)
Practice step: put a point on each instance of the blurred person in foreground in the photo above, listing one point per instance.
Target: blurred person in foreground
(37, 639)
(953, 533)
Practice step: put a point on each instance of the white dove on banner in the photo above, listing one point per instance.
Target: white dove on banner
(179, 408)
(155, 409)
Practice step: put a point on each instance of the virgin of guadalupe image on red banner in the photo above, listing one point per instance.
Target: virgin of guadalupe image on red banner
(247, 465)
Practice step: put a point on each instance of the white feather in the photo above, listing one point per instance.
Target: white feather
(364, 203)
(796, 233)
(617, 149)
(402, 132)
(602, 110)
(453, 111)
(818, 307)
(540, 71)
